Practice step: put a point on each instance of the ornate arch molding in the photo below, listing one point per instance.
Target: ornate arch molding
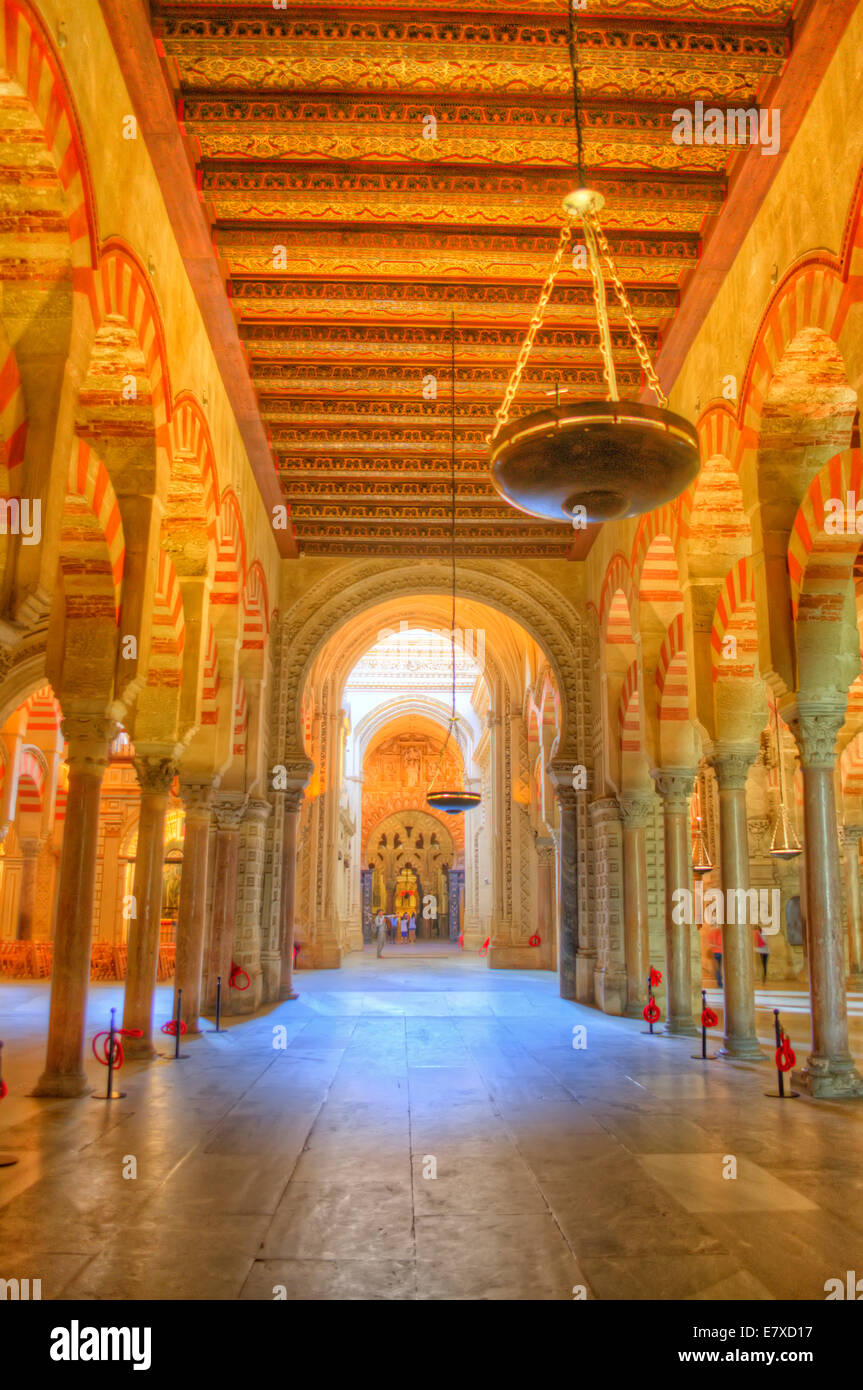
(543, 612)
(435, 711)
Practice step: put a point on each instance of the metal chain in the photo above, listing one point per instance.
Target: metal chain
(502, 415)
(601, 308)
(634, 330)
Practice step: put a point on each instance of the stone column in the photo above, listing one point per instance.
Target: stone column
(191, 921)
(855, 909)
(829, 1069)
(89, 739)
(155, 773)
(675, 787)
(288, 905)
(636, 812)
(567, 879)
(228, 811)
(250, 884)
(545, 924)
(738, 938)
(30, 851)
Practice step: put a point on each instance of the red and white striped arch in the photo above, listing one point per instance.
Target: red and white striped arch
(812, 295)
(31, 782)
(659, 577)
(43, 716)
(629, 712)
(28, 59)
(240, 719)
(256, 616)
(168, 635)
(210, 690)
(656, 525)
(120, 287)
(192, 502)
(230, 577)
(618, 581)
(818, 562)
(13, 423)
(735, 616)
(672, 675)
(92, 546)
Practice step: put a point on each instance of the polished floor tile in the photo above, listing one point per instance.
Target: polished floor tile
(421, 1128)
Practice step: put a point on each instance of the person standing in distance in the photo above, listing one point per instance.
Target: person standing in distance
(380, 932)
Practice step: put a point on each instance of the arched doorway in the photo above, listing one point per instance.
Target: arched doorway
(413, 865)
(512, 849)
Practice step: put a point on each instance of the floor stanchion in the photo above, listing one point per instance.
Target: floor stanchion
(708, 1020)
(175, 1027)
(785, 1060)
(111, 1055)
(651, 1011)
(6, 1159)
(218, 1028)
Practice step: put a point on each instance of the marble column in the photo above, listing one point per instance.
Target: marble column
(288, 903)
(228, 811)
(545, 925)
(155, 773)
(855, 908)
(250, 885)
(829, 1069)
(636, 812)
(731, 766)
(567, 880)
(191, 921)
(30, 851)
(675, 787)
(88, 739)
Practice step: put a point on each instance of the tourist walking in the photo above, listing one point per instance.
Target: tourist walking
(763, 951)
(381, 932)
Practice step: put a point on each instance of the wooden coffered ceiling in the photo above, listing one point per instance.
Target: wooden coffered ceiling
(346, 235)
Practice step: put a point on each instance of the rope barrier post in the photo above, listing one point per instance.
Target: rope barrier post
(786, 1059)
(179, 1029)
(6, 1159)
(218, 1028)
(111, 1055)
(708, 1020)
(650, 1013)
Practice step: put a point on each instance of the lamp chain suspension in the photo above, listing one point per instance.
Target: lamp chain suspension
(584, 206)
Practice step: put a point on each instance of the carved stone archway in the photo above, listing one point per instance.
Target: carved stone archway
(544, 613)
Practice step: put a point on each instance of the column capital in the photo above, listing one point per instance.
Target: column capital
(852, 833)
(293, 799)
(561, 774)
(88, 737)
(819, 723)
(229, 809)
(197, 795)
(31, 848)
(257, 809)
(731, 763)
(544, 848)
(605, 810)
(636, 809)
(675, 786)
(155, 772)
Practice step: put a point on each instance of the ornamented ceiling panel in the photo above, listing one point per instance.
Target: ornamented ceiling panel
(369, 169)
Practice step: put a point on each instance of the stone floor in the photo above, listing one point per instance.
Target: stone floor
(309, 1166)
